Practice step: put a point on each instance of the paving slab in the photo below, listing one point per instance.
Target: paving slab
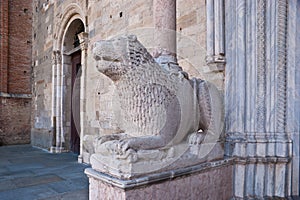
(78, 195)
(31, 173)
(27, 193)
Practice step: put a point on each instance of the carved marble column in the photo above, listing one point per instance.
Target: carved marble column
(59, 82)
(57, 141)
(256, 98)
(215, 36)
(83, 39)
(165, 24)
(165, 33)
(54, 85)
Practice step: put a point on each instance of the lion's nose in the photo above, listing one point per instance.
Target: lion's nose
(96, 57)
(95, 45)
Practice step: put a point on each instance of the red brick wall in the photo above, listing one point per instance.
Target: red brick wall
(15, 70)
(3, 44)
(19, 57)
(15, 121)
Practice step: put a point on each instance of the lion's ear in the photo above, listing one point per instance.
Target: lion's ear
(132, 37)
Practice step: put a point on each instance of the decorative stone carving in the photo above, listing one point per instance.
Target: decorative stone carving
(168, 121)
(83, 40)
(256, 99)
(53, 58)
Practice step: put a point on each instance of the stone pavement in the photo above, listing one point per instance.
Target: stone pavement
(29, 173)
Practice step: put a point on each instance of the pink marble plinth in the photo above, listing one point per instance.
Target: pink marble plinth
(206, 181)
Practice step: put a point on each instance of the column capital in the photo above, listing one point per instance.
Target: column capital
(58, 57)
(83, 40)
(53, 58)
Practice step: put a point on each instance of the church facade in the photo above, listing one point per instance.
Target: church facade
(247, 49)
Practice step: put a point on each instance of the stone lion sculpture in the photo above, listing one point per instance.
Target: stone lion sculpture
(161, 107)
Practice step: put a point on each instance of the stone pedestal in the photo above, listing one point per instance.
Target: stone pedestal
(211, 180)
(156, 161)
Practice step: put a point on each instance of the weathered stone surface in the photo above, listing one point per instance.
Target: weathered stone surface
(162, 112)
(51, 20)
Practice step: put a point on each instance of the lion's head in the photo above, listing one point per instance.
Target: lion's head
(115, 57)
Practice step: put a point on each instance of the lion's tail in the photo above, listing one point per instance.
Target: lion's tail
(216, 127)
(211, 110)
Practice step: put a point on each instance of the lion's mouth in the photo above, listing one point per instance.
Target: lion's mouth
(107, 58)
(104, 65)
(111, 59)
(109, 68)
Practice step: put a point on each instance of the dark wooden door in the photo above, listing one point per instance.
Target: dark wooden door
(75, 103)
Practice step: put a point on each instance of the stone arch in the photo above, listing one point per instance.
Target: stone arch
(61, 75)
(72, 12)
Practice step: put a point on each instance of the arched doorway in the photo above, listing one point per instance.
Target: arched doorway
(71, 75)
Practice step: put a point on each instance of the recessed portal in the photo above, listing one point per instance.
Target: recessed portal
(72, 72)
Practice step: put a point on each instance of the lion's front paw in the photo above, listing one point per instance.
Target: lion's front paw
(196, 138)
(122, 149)
(104, 138)
(118, 147)
(123, 146)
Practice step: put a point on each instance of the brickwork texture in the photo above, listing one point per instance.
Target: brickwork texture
(15, 71)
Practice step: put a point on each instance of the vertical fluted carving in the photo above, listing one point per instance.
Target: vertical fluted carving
(281, 65)
(261, 64)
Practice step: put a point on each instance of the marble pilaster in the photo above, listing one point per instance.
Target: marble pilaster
(256, 98)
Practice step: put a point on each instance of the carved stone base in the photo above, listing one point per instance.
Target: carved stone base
(141, 163)
(186, 183)
(80, 158)
(260, 157)
(57, 149)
